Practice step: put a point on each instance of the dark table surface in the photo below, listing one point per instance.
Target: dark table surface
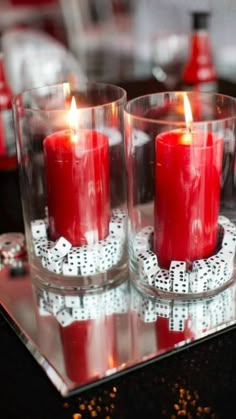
(197, 382)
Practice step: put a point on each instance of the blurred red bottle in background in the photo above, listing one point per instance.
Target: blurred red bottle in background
(199, 72)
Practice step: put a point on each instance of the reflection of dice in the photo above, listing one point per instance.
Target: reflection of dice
(147, 262)
(177, 275)
(38, 229)
(162, 309)
(147, 311)
(60, 248)
(163, 281)
(180, 310)
(176, 324)
(56, 299)
(72, 301)
(85, 313)
(44, 308)
(64, 317)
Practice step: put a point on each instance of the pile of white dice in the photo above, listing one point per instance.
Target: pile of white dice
(206, 274)
(70, 308)
(60, 257)
(202, 315)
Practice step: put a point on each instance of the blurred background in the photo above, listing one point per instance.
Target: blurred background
(108, 40)
(141, 45)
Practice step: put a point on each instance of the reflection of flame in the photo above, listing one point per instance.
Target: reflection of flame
(73, 116)
(187, 112)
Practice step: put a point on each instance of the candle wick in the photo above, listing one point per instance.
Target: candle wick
(189, 129)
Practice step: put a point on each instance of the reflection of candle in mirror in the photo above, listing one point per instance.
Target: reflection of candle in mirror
(90, 348)
(187, 193)
(77, 183)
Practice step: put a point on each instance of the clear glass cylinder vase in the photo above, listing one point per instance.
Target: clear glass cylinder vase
(71, 159)
(180, 158)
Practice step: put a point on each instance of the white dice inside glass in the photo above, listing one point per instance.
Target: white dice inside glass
(38, 244)
(61, 248)
(70, 268)
(38, 229)
(117, 227)
(55, 266)
(163, 281)
(177, 273)
(147, 262)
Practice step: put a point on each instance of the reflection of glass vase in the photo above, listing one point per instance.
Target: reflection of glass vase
(84, 329)
(75, 219)
(182, 235)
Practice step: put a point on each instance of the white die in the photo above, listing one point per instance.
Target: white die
(38, 229)
(87, 268)
(178, 276)
(55, 266)
(61, 248)
(147, 233)
(117, 227)
(229, 242)
(70, 268)
(46, 246)
(147, 262)
(119, 213)
(38, 245)
(163, 281)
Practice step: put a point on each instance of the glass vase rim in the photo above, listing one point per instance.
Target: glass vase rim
(119, 100)
(175, 123)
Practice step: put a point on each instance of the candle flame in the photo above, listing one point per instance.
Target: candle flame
(73, 119)
(188, 112)
(187, 136)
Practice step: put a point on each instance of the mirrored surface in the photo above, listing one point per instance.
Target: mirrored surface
(81, 340)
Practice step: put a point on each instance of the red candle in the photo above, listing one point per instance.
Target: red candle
(187, 195)
(77, 184)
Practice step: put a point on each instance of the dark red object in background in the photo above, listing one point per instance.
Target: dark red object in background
(187, 195)
(199, 72)
(78, 186)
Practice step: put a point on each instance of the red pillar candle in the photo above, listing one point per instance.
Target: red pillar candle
(77, 184)
(187, 195)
